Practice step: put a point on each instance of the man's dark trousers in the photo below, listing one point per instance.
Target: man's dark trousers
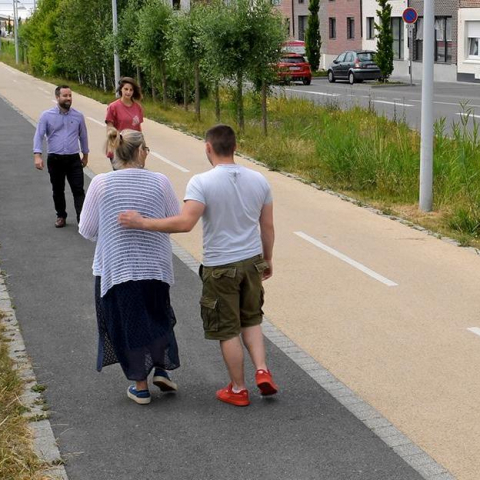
(69, 167)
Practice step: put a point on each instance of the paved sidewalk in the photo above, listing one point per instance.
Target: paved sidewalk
(302, 434)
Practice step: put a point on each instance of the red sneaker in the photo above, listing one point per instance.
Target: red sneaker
(265, 382)
(239, 399)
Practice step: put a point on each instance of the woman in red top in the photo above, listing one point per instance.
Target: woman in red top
(126, 112)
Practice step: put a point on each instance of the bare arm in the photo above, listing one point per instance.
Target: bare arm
(267, 233)
(188, 218)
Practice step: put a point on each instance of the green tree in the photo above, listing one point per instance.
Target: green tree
(312, 35)
(239, 43)
(84, 48)
(189, 49)
(40, 37)
(266, 39)
(153, 40)
(125, 41)
(384, 56)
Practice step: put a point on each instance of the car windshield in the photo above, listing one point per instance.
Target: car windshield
(365, 56)
(293, 60)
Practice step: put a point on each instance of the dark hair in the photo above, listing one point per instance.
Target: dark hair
(57, 90)
(222, 138)
(125, 145)
(137, 91)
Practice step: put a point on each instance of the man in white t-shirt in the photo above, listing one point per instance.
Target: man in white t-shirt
(236, 208)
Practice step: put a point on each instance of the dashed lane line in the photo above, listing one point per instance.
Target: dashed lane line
(96, 121)
(350, 261)
(313, 93)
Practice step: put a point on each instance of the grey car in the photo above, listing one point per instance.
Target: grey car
(354, 66)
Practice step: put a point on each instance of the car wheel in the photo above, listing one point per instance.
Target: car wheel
(351, 78)
(307, 81)
(331, 78)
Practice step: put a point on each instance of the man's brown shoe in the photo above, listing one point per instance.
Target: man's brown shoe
(60, 223)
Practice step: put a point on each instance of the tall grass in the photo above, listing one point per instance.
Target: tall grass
(17, 460)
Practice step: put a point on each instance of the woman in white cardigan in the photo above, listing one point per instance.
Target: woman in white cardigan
(132, 268)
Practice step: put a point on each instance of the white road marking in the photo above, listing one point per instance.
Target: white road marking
(11, 70)
(97, 122)
(447, 103)
(166, 160)
(313, 93)
(393, 103)
(468, 115)
(474, 330)
(346, 259)
(43, 90)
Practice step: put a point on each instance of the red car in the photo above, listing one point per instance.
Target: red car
(294, 67)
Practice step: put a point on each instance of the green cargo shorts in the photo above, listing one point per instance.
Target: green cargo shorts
(232, 297)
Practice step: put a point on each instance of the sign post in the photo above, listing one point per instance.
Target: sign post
(410, 16)
(426, 147)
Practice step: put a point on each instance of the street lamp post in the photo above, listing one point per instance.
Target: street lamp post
(15, 27)
(426, 148)
(116, 60)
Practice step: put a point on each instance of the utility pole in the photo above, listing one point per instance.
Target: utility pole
(426, 149)
(15, 27)
(116, 60)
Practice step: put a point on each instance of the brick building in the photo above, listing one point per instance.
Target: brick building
(468, 28)
(340, 28)
(296, 12)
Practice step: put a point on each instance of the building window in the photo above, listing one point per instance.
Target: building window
(443, 39)
(418, 40)
(473, 32)
(398, 36)
(276, 2)
(176, 4)
(300, 1)
(302, 26)
(370, 28)
(332, 28)
(350, 27)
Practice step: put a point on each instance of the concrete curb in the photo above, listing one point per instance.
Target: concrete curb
(44, 443)
(420, 461)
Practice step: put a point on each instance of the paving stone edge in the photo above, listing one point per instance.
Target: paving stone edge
(44, 442)
(418, 459)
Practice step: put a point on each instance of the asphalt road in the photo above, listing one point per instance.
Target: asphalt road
(452, 101)
(301, 434)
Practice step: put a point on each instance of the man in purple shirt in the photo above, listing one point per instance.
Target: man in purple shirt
(66, 131)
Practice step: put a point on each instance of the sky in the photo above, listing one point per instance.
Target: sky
(25, 7)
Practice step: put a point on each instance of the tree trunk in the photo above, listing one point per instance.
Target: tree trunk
(139, 76)
(152, 84)
(185, 94)
(240, 112)
(164, 86)
(264, 107)
(217, 101)
(197, 91)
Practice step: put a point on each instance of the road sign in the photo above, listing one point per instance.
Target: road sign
(410, 15)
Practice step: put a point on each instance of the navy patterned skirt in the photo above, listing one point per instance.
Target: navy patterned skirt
(135, 327)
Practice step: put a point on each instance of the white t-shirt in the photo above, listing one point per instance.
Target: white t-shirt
(233, 197)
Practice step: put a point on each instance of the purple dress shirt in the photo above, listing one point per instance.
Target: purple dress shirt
(64, 131)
